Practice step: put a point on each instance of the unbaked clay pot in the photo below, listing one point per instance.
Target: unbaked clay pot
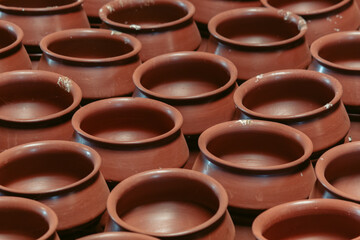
(100, 61)
(259, 40)
(13, 55)
(319, 219)
(338, 173)
(322, 16)
(260, 163)
(162, 26)
(306, 100)
(39, 18)
(25, 219)
(132, 135)
(61, 174)
(171, 204)
(118, 236)
(336, 54)
(36, 105)
(200, 85)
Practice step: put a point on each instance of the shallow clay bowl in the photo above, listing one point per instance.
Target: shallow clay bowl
(118, 236)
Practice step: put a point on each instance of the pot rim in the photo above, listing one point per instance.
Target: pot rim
(112, 103)
(45, 10)
(90, 32)
(326, 159)
(278, 76)
(45, 146)
(302, 207)
(268, 126)
(117, 236)
(243, 12)
(166, 58)
(14, 29)
(137, 179)
(112, 6)
(40, 208)
(331, 38)
(334, 7)
(63, 82)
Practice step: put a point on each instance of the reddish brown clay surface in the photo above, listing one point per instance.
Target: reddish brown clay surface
(354, 132)
(118, 236)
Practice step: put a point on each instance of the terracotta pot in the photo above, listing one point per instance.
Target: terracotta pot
(184, 205)
(132, 135)
(36, 105)
(306, 100)
(61, 174)
(322, 16)
(266, 160)
(309, 219)
(39, 18)
(92, 8)
(13, 55)
(162, 26)
(118, 236)
(335, 54)
(200, 85)
(354, 132)
(22, 218)
(253, 38)
(100, 61)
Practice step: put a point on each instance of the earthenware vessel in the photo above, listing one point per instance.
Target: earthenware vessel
(118, 236)
(253, 37)
(13, 55)
(132, 135)
(162, 26)
(92, 8)
(354, 132)
(22, 218)
(61, 174)
(322, 16)
(335, 54)
(306, 100)
(171, 204)
(100, 61)
(200, 85)
(36, 105)
(309, 219)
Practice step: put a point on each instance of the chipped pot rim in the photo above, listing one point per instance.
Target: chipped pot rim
(61, 81)
(12, 29)
(44, 10)
(255, 125)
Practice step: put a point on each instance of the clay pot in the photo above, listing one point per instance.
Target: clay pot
(92, 8)
(322, 16)
(100, 61)
(200, 85)
(132, 135)
(22, 218)
(171, 204)
(162, 26)
(61, 174)
(354, 132)
(39, 18)
(335, 54)
(13, 55)
(309, 219)
(118, 236)
(306, 100)
(253, 38)
(36, 105)
(260, 163)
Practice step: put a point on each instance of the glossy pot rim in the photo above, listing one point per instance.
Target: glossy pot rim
(330, 156)
(32, 205)
(63, 82)
(330, 39)
(12, 154)
(137, 179)
(112, 103)
(90, 32)
(243, 12)
(117, 236)
(277, 76)
(166, 58)
(44, 10)
(255, 125)
(112, 6)
(13, 29)
(300, 208)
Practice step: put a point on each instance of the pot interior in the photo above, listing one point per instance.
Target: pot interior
(35, 3)
(303, 6)
(176, 204)
(31, 99)
(7, 37)
(185, 77)
(288, 97)
(44, 170)
(147, 13)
